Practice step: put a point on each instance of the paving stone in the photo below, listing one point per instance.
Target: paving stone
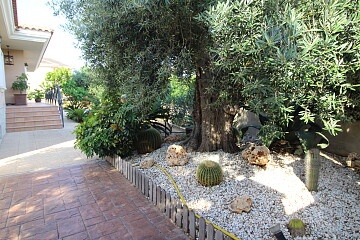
(106, 206)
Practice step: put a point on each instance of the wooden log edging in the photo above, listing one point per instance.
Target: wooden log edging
(181, 216)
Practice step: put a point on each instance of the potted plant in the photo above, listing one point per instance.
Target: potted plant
(36, 94)
(20, 84)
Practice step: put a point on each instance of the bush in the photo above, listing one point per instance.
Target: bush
(292, 61)
(110, 129)
(76, 115)
(76, 96)
(36, 94)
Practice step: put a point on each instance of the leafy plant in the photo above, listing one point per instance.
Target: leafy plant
(36, 94)
(107, 130)
(76, 115)
(76, 96)
(20, 83)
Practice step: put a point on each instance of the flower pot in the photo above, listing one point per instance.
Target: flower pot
(37, 99)
(20, 99)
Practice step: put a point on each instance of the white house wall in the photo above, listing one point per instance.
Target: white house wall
(2, 97)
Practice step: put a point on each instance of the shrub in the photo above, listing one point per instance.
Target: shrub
(76, 115)
(20, 83)
(76, 96)
(36, 94)
(110, 129)
(292, 60)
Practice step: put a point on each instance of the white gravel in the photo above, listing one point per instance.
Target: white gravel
(278, 193)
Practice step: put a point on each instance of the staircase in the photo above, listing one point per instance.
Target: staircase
(34, 116)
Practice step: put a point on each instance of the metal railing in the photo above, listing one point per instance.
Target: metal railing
(54, 97)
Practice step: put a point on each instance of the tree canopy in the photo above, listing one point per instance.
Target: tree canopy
(293, 61)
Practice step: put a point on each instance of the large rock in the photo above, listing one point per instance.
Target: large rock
(241, 204)
(176, 156)
(147, 163)
(258, 155)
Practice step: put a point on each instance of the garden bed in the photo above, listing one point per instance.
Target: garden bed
(278, 193)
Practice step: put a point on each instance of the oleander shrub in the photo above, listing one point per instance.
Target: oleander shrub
(295, 61)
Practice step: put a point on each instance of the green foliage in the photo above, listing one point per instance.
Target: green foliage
(82, 78)
(76, 115)
(57, 77)
(135, 46)
(20, 83)
(36, 94)
(180, 99)
(148, 140)
(291, 60)
(110, 129)
(209, 173)
(75, 87)
(76, 96)
(294, 61)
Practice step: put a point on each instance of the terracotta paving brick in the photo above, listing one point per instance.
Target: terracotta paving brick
(85, 202)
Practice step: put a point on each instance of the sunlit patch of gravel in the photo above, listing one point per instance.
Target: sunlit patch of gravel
(278, 193)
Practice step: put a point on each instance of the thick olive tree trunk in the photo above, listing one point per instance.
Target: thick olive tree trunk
(212, 128)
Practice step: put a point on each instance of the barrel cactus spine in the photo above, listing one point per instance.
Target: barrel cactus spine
(209, 173)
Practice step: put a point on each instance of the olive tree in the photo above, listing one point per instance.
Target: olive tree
(135, 46)
(294, 61)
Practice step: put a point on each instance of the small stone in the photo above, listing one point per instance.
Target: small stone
(147, 163)
(176, 156)
(353, 160)
(241, 204)
(257, 155)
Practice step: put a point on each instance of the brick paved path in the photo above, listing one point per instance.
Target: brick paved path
(89, 201)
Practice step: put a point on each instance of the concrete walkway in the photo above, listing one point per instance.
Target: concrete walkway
(39, 150)
(49, 190)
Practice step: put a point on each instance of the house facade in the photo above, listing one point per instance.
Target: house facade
(26, 45)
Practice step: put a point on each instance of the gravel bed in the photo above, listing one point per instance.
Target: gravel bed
(278, 193)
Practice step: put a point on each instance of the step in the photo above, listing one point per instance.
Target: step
(32, 117)
(33, 123)
(32, 112)
(18, 109)
(33, 128)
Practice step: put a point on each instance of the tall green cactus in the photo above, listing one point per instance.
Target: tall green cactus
(209, 173)
(148, 140)
(312, 166)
